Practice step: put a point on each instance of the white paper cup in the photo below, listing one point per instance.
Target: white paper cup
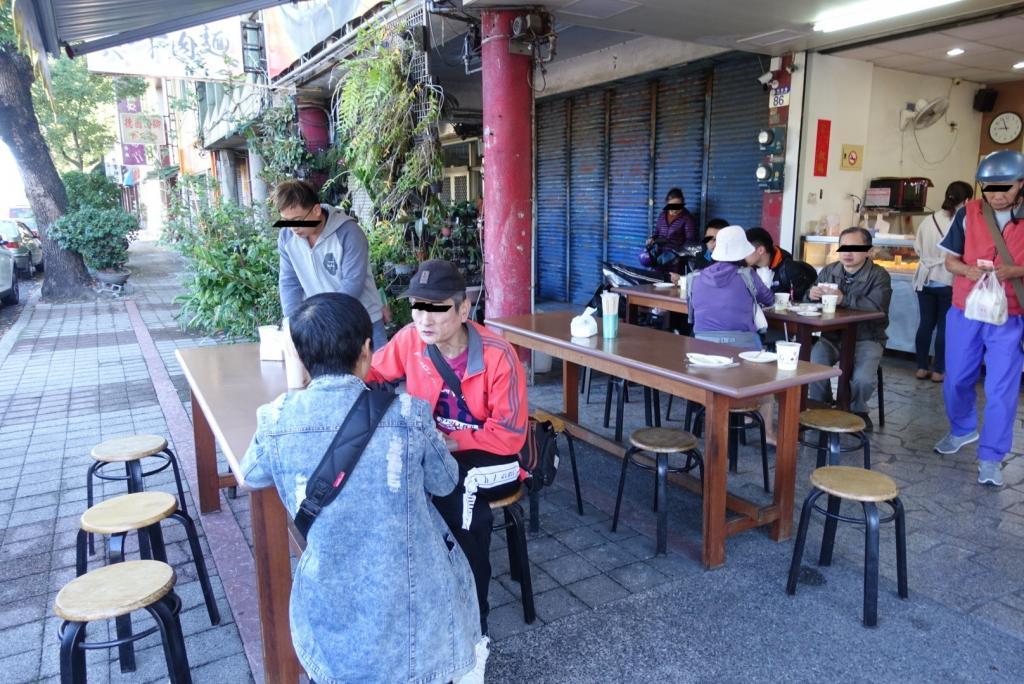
(682, 287)
(828, 303)
(788, 355)
(781, 301)
(270, 343)
(294, 370)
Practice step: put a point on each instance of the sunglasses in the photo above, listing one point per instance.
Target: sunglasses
(997, 188)
(854, 248)
(298, 223)
(432, 308)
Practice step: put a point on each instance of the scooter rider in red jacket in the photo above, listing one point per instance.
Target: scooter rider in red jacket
(485, 424)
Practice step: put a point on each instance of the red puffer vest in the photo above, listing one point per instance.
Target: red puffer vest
(978, 244)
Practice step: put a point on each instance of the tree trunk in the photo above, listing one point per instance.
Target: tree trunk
(66, 276)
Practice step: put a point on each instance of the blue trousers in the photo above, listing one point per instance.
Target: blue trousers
(968, 343)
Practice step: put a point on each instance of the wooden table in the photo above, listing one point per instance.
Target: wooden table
(228, 384)
(843, 320)
(658, 360)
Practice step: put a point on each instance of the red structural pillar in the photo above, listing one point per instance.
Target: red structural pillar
(508, 168)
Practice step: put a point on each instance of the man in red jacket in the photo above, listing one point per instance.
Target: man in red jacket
(484, 416)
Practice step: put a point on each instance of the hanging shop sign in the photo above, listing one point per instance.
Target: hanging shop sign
(142, 129)
(211, 51)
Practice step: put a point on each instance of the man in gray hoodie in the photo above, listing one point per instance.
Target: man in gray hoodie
(323, 250)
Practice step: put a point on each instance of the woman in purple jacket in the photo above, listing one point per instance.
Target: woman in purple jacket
(723, 295)
(674, 228)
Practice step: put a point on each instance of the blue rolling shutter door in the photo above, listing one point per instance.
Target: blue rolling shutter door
(629, 162)
(586, 206)
(551, 200)
(679, 140)
(739, 107)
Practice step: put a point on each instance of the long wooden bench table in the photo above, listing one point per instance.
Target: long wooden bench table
(658, 360)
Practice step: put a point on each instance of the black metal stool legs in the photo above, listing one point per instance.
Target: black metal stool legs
(72, 656)
(519, 558)
(200, 564)
(575, 473)
(177, 480)
(828, 538)
(622, 487)
(801, 540)
(870, 564)
(901, 548)
(663, 508)
(165, 612)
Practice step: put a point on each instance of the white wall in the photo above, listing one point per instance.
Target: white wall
(630, 58)
(838, 90)
(863, 102)
(948, 155)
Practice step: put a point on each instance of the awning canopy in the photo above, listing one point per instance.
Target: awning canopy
(81, 26)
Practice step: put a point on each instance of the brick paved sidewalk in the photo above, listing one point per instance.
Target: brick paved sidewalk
(76, 376)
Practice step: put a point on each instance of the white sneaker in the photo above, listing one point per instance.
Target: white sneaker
(476, 675)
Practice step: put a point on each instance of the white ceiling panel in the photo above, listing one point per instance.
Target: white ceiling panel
(869, 53)
(984, 30)
(899, 61)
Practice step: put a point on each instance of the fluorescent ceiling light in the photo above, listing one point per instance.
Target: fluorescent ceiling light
(955, 52)
(1019, 65)
(870, 11)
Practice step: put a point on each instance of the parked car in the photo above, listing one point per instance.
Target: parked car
(30, 238)
(8, 279)
(18, 241)
(32, 226)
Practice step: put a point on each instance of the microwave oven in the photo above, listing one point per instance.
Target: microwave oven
(900, 194)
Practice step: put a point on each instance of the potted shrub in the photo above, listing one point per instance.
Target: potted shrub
(102, 237)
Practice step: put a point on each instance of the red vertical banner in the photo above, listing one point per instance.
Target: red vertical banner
(821, 147)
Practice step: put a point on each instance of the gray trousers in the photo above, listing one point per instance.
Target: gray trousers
(866, 357)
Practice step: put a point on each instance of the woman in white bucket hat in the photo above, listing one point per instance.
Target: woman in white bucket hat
(725, 297)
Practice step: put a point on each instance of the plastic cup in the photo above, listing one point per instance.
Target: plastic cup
(610, 326)
(828, 303)
(270, 343)
(781, 301)
(294, 370)
(682, 287)
(787, 355)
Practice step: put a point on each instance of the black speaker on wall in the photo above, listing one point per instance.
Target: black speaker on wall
(985, 100)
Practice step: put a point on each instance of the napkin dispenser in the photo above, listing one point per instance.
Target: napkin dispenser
(584, 325)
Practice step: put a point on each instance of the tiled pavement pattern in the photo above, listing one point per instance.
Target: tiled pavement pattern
(75, 377)
(607, 609)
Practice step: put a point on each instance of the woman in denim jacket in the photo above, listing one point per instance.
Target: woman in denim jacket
(382, 592)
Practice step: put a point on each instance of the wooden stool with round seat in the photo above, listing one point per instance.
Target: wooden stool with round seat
(558, 425)
(114, 592)
(518, 556)
(741, 419)
(130, 451)
(868, 488)
(662, 442)
(831, 424)
(141, 512)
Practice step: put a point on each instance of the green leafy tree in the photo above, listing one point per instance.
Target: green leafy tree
(79, 126)
(66, 276)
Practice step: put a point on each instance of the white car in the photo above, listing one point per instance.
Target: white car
(8, 279)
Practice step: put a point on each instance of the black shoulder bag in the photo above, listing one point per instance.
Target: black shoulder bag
(346, 448)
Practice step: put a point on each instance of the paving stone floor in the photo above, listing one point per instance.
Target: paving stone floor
(608, 609)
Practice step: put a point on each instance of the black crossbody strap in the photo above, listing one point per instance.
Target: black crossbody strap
(1004, 252)
(447, 374)
(346, 448)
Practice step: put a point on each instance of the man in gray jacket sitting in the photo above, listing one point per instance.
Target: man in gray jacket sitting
(861, 285)
(323, 250)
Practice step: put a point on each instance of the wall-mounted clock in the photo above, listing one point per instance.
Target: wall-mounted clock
(1005, 128)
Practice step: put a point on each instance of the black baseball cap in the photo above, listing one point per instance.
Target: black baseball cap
(435, 281)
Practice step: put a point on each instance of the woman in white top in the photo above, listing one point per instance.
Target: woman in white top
(933, 283)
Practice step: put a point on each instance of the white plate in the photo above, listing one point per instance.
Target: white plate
(708, 360)
(757, 356)
(809, 312)
(662, 286)
(805, 307)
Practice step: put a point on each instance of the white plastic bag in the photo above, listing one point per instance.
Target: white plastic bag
(987, 300)
(584, 325)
